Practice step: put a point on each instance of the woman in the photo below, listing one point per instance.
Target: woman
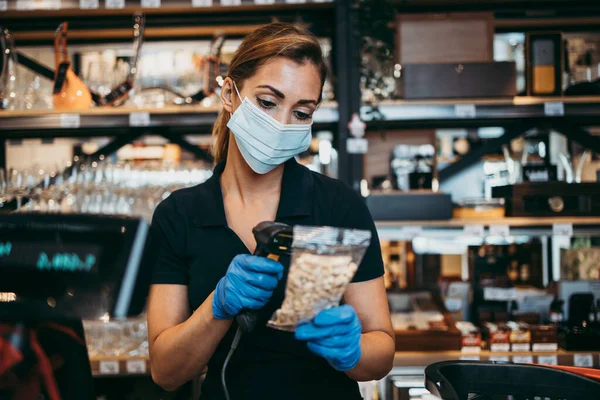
(205, 274)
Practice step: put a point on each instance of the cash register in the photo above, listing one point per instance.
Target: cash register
(56, 270)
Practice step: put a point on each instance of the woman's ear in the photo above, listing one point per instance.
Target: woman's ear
(227, 95)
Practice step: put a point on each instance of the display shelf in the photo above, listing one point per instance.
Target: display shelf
(568, 358)
(171, 21)
(117, 120)
(119, 366)
(463, 113)
(517, 226)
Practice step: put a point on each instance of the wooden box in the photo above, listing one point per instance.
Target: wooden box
(550, 199)
(463, 80)
(447, 37)
(439, 336)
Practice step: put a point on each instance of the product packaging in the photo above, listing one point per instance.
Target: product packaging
(323, 262)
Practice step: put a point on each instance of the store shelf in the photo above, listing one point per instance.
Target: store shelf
(531, 226)
(120, 366)
(422, 359)
(173, 20)
(414, 114)
(119, 120)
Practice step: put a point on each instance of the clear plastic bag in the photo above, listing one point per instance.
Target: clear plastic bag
(324, 261)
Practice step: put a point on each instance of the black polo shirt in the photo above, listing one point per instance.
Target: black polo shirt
(195, 246)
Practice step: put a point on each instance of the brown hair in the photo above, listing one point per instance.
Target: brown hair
(273, 40)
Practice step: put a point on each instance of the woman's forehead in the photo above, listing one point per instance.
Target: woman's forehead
(289, 77)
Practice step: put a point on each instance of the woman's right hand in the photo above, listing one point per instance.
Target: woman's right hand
(248, 284)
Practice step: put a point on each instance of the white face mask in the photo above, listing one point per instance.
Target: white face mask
(263, 141)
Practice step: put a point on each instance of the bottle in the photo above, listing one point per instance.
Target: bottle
(556, 311)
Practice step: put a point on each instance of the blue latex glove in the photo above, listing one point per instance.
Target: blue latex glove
(248, 284)
(334, 334)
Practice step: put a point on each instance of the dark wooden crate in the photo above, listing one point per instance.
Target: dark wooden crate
(533, 199)
(459, 80)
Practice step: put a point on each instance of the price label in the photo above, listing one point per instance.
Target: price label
(3, 5)
(264, 2)
(555, 109)
(548, 360)
(412, 231)
(499, 230)
(500, 348)
(521, 347)
(231, 2)
(357, 146)
(499, 358)
(136, 366)
(295, 1)
(470, 358)
(139, 119)
(202, 3)
(114, 4)
(465, 110)
(583, 360)
(523, 359)
(562, 229)
(109, 367)
(151, 3)
(70, 121)
(89, 4)
(544, 347)
(474, 230)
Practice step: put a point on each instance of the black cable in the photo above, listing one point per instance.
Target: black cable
(234, 345)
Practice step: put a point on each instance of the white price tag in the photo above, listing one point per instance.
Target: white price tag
(583, 360)
(70, 121)
(520, 347)
(544, 347)
(109, 367)
(499, 230)
(136, 366)
(465, 110)
(25, 5)
(562, 229)
(555, 109)
(139, 119)
(474, 230)
(3, 5)
(471, 350)
(114, 4)
(264, 2)
(523, 359)
(500, 348)
(295, 1)
(412, 232)
(470, 358)
(89, 4)
(231, 2)
(357, 146)
(499, 358)
(548, 360)
(151, 3)
(202, 3)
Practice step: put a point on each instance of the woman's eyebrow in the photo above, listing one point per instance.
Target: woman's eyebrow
(279, 94)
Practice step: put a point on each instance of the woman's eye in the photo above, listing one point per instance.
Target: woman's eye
(302, 116)
(265, 103)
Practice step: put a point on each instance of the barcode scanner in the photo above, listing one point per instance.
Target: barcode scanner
(273, 239)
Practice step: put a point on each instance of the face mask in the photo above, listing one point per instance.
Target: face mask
(263, 141)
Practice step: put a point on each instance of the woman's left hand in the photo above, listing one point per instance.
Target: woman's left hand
(334, 334)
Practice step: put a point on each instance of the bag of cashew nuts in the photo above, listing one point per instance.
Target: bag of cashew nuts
(323, 262)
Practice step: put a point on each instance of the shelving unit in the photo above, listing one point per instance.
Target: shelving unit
(408, 230)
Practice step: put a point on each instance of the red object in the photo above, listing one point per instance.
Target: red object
(587, 372)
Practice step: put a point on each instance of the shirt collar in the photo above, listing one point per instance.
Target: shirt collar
(295, 199)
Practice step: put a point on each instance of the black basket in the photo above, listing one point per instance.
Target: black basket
(462, 380)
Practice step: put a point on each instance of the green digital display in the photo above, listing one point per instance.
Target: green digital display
(49, 256)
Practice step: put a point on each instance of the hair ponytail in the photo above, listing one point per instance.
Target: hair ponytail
(273, 40)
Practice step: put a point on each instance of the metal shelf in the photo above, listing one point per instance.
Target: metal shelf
(122, 120)
(408, 230)
(463, 113)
